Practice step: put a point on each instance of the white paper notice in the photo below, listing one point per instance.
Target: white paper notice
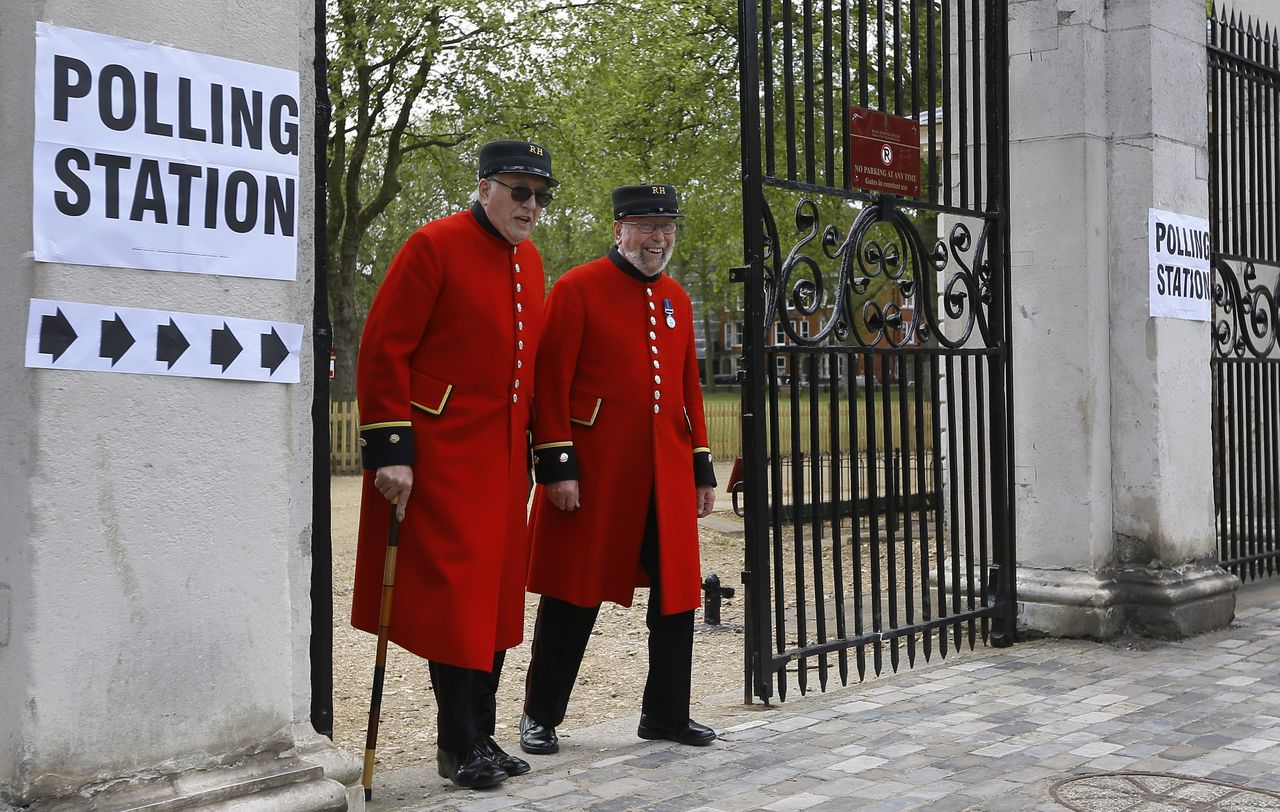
(102, 338)
(153, 157)
(1180, 253)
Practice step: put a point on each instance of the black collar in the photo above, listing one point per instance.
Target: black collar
(478, 212)
(627, 268)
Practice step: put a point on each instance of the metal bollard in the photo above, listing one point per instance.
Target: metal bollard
(712, 592)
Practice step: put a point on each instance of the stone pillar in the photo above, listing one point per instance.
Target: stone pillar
(155, 552)
(1112, 408)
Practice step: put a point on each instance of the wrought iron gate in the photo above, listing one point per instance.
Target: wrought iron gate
(1244, 221)
(876, 355)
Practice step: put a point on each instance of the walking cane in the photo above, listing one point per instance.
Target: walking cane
(380, 661)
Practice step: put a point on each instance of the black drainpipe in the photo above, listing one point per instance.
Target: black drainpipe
(322, 339)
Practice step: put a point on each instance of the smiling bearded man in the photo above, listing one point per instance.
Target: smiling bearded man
(624, 470)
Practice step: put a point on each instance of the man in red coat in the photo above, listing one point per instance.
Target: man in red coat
(624, 470)
(444, 382)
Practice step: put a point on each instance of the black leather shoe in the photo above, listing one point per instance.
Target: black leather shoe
(509, 764)
(537, 739)
(689, 732)
(471, 771)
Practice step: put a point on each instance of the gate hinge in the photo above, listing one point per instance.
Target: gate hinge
(739, 274)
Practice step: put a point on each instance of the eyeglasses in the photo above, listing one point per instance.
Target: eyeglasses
(648, 227)
(522, 193)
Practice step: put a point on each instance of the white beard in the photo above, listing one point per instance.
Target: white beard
(640, 258)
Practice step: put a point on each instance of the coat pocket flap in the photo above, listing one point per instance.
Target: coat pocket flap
(428, 393)
(584, 409)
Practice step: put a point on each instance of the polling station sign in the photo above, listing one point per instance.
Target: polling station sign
(1179, 250)
(153, 157)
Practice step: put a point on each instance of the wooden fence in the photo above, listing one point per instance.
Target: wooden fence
(723, 430)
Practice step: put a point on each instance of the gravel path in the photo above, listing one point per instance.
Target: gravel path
(609, 685)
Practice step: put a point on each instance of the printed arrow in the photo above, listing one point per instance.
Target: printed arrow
(56, 335)
(170, 343)
(273, 351)
(223, 347)
(116, 339)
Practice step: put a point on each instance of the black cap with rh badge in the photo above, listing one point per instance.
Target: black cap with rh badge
(646, 200)
(516, 156)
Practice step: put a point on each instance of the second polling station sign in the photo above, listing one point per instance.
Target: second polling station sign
(1179, 250)
(153, 157)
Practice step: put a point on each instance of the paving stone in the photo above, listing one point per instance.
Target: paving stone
(990, 732)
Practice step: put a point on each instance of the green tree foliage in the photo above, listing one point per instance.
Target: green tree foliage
(620, 92)
(394, 71)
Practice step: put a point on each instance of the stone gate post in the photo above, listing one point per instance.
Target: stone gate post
(155, 529)
(1112, 407)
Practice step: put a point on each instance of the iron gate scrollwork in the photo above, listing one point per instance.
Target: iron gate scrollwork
(1244, 221)
(876, 359)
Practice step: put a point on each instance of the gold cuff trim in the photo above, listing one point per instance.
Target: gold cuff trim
(387, 425)
(594, 415)
(553, 445)
(702, 448)
(439, 407)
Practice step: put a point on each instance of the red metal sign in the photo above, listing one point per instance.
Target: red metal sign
(884, 152)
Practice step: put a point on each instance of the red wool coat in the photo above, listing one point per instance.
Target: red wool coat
(444, 382)
(618, 396)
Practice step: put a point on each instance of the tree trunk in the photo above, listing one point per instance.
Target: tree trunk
(709, 341)
(347, 322)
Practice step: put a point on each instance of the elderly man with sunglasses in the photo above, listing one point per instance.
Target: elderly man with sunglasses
(624, 470)
(445, 383)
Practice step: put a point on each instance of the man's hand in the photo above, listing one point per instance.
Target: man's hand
(706, 500)
(564, 494)
(395, 482)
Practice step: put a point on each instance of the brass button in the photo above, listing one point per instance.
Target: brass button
(656, 409)
(519, 325)
(518, 287)
(656, 365)
(657, 379)
(519, 308)
(652, 320)
(655, 350)
(363, 442)
(564, 457)
(393, 439)
(517, 383)
(515, 398)
(519, 363)
(520, 345)
(657, 395)
(653, 336)
(652, 306)
(649, 291)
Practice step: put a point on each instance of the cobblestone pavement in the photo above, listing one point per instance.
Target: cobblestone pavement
(991, 730)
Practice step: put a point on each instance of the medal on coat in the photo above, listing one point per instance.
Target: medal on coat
(670, 311)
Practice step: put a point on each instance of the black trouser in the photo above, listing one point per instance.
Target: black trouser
(560, 638)
(466, 703)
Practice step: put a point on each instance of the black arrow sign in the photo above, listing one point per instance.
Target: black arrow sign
(170, 343)
(116, 339)
(273, 351)
(224, 349)
(56, 334)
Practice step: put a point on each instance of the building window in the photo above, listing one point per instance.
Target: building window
(803, 324)
(733, 334)
(779, 333)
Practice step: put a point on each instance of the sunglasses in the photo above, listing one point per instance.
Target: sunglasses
(522, 193)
